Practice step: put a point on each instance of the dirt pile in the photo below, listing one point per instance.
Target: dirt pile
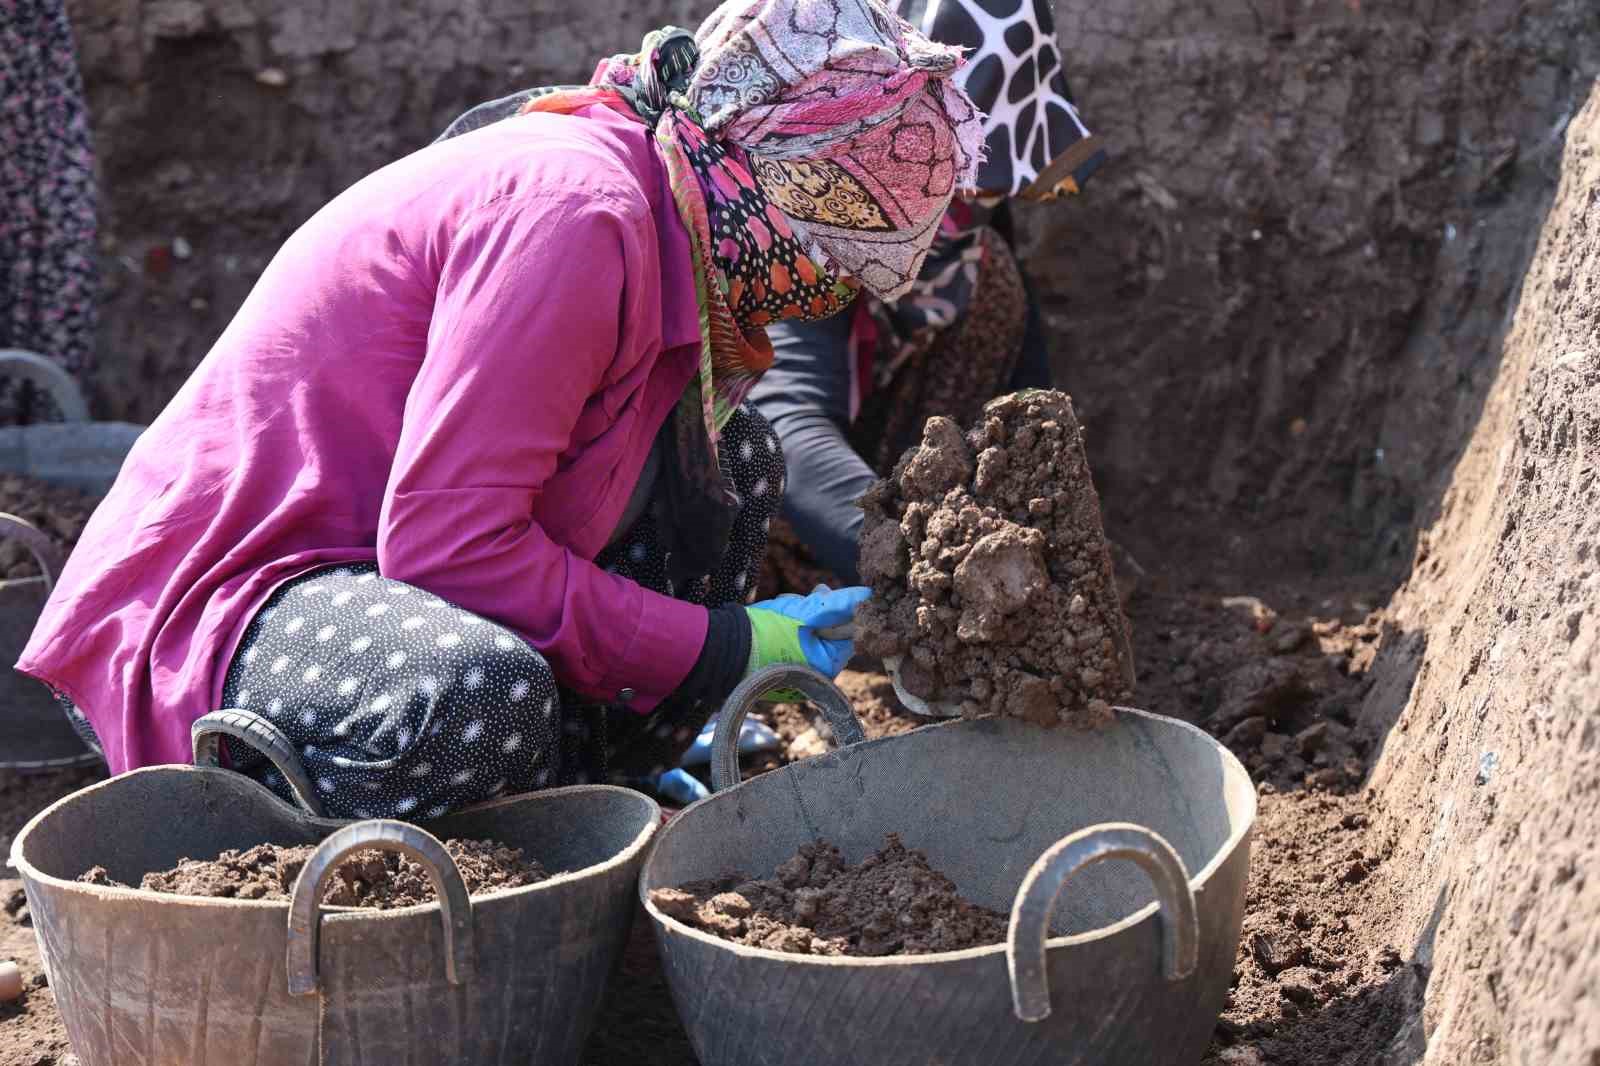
(376, 879)
(1321, 978)
(990, 572)
(1316, 984)
(1278, 677)
(891, 903)
(59, 513)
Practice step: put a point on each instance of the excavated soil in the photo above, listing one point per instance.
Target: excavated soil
(379, 880)
(1314, 985)
(890, 903)
(991, 575)
(61, 513)
(1320, 979)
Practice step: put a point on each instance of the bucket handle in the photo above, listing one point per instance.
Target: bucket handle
(305, 921)
(725, 741)
(47, 375)
(1036, 900)
(45, 553)
(251, 729)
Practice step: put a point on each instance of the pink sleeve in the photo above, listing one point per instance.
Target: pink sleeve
(525, 324)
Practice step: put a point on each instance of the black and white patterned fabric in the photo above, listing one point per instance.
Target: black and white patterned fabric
(400, 704)
(403, 705)
(1037, 144)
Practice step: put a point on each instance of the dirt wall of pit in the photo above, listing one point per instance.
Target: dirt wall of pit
(222, 125)
(1488, 687)
(1282, 303)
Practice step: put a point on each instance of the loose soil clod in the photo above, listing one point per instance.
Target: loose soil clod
(990, 570)
(375, 879)
(891, 903)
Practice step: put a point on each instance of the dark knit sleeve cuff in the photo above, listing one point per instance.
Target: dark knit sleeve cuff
(724, 658)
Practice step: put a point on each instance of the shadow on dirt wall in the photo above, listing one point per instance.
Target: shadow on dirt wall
(1280, 307)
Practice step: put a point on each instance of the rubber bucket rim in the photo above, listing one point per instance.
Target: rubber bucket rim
(28, 872)
(1197, 881)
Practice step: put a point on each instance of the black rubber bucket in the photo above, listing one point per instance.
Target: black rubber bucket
(145, 979)
(1130, 966)
(35, 736)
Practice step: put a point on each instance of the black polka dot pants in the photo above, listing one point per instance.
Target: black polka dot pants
(400, 704)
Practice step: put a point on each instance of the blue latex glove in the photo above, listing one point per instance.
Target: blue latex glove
(791, 636)
(681, 787)
(754, 736)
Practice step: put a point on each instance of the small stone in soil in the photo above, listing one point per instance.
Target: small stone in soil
(1277, 951)
(1297, 985)
(372, 879)
(1246, 734)
(10, 982)
(891, 903)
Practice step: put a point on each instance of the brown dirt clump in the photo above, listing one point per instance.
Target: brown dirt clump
(1279, 682)
(376, 879)
(58, 512)
(990, 570)
(891, 903)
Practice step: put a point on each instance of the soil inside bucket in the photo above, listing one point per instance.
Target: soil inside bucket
(990, 570)
(376, 879)
(891, 903)
(60, 513)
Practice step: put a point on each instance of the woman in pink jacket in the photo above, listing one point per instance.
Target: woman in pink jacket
(466, 499)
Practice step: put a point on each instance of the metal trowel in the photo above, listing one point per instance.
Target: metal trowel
(891, 663)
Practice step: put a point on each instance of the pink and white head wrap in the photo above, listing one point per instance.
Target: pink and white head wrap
(852, 123)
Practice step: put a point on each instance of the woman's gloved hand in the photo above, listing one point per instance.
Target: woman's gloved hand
(784, 629)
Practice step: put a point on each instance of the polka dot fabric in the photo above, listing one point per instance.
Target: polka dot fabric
(752, 460)
(400, 704)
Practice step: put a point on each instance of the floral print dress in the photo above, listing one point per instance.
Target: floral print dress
(47, 200)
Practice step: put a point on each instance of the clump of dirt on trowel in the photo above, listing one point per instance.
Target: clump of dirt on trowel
(990, 570)
(377, 879)
(891, 903)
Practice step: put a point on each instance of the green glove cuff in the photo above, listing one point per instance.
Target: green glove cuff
(773, 639)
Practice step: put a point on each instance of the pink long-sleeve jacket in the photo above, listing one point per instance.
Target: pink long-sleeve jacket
(456, 368)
